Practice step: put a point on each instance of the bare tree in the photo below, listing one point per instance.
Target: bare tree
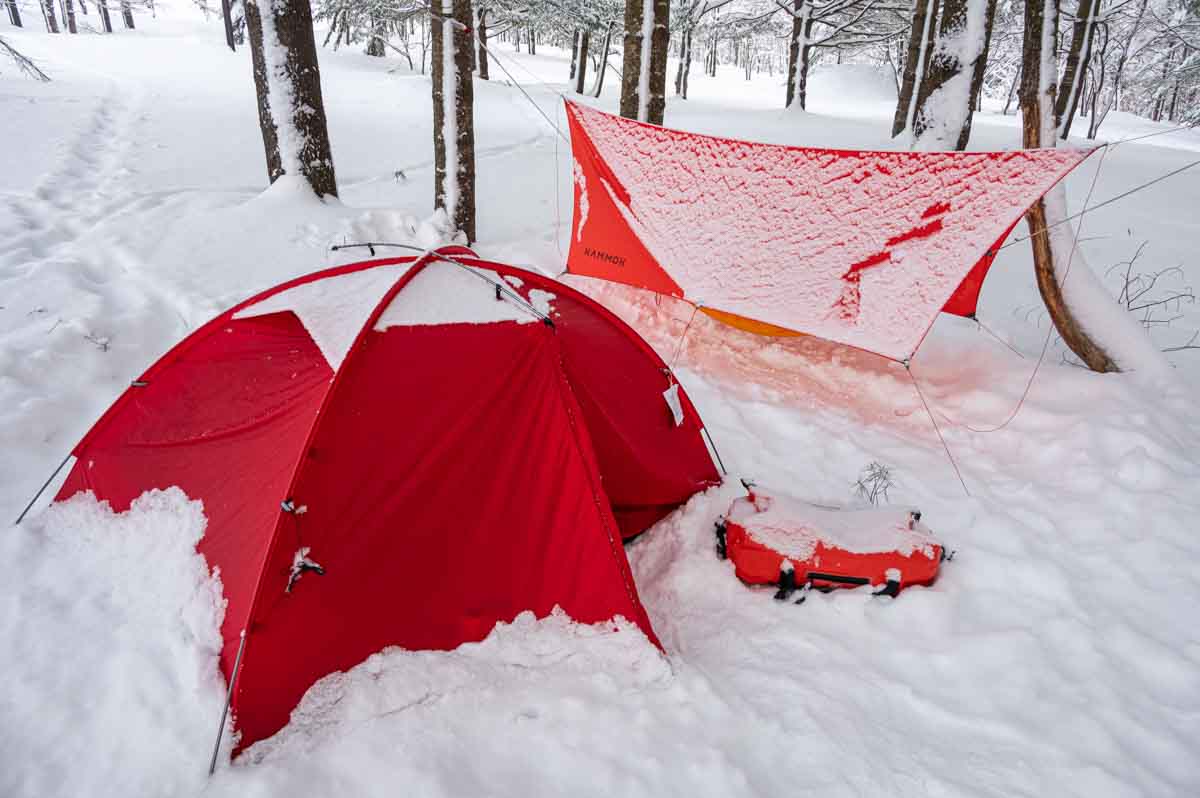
(48, 13)
(453, 115)
(227, 19)
(940, 113)
(581, 70)
(1079, 54)
(105, 19)
(1055, 257)
(127, 14)
(602, 67)
(14, 14)
(23, 62)
(482, 36)
(287, 78)
(916, 61)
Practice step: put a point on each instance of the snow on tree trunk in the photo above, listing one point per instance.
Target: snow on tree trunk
(14, 15)
(69, 13)
(1090, 321)
(482, 60)
(127, 14)
(291, 113)
(453, 116)
(105, 19)
(647, 44)
(977, 75)
(799, 49)
(48, 13)
(942, 111)
(915, 62)
(644, 71)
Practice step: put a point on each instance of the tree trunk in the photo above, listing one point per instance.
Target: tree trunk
(127, 15)
(631, 65)
(799, 50)
(453, 116)
(105, 19)
(655, 104)
(679, 68)
(916, 61)
(574, 53)
(14, 15)
(1037, 104)
(532, 41)
(374, 46)
(48, 13)
(482, 61)
(287, 78)
(950, 75)
(581, 68)
(1101, 112)
(687, 65)
(1012, 91)
(69, 13)
(977, 74)
(1078, 55)
(227, 16)
(603, 69)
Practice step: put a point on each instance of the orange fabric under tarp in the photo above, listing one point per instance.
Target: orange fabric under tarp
(860, 247)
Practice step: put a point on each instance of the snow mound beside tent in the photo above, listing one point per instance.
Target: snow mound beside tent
(109, 649)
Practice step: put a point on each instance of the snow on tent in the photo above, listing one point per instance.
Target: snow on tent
(402, 453)
(858, 247)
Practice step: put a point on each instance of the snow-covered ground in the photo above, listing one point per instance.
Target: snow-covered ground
(1058, 654)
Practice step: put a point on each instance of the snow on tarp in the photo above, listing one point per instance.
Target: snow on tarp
(859, 247)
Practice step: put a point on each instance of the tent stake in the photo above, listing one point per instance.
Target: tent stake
(41, 490)
(237, 664)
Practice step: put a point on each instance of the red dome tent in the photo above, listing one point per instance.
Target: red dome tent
(449, 443)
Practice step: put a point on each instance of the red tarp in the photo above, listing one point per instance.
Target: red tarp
(863, 248)
(457, 462)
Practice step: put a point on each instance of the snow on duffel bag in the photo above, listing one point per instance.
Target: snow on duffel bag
(774, 539)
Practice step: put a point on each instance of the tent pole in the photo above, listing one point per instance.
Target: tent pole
(713, 446)
(41, 490)
(237, 664)
(936, 428)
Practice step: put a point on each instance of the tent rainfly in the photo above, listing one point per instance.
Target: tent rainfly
(403, 453)
(858, 247)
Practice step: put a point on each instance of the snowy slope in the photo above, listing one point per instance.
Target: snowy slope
(1058, 653)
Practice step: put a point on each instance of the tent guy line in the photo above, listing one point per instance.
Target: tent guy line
(1089, 208)
(1049, 330)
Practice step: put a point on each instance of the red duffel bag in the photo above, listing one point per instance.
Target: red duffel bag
(774, 539)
